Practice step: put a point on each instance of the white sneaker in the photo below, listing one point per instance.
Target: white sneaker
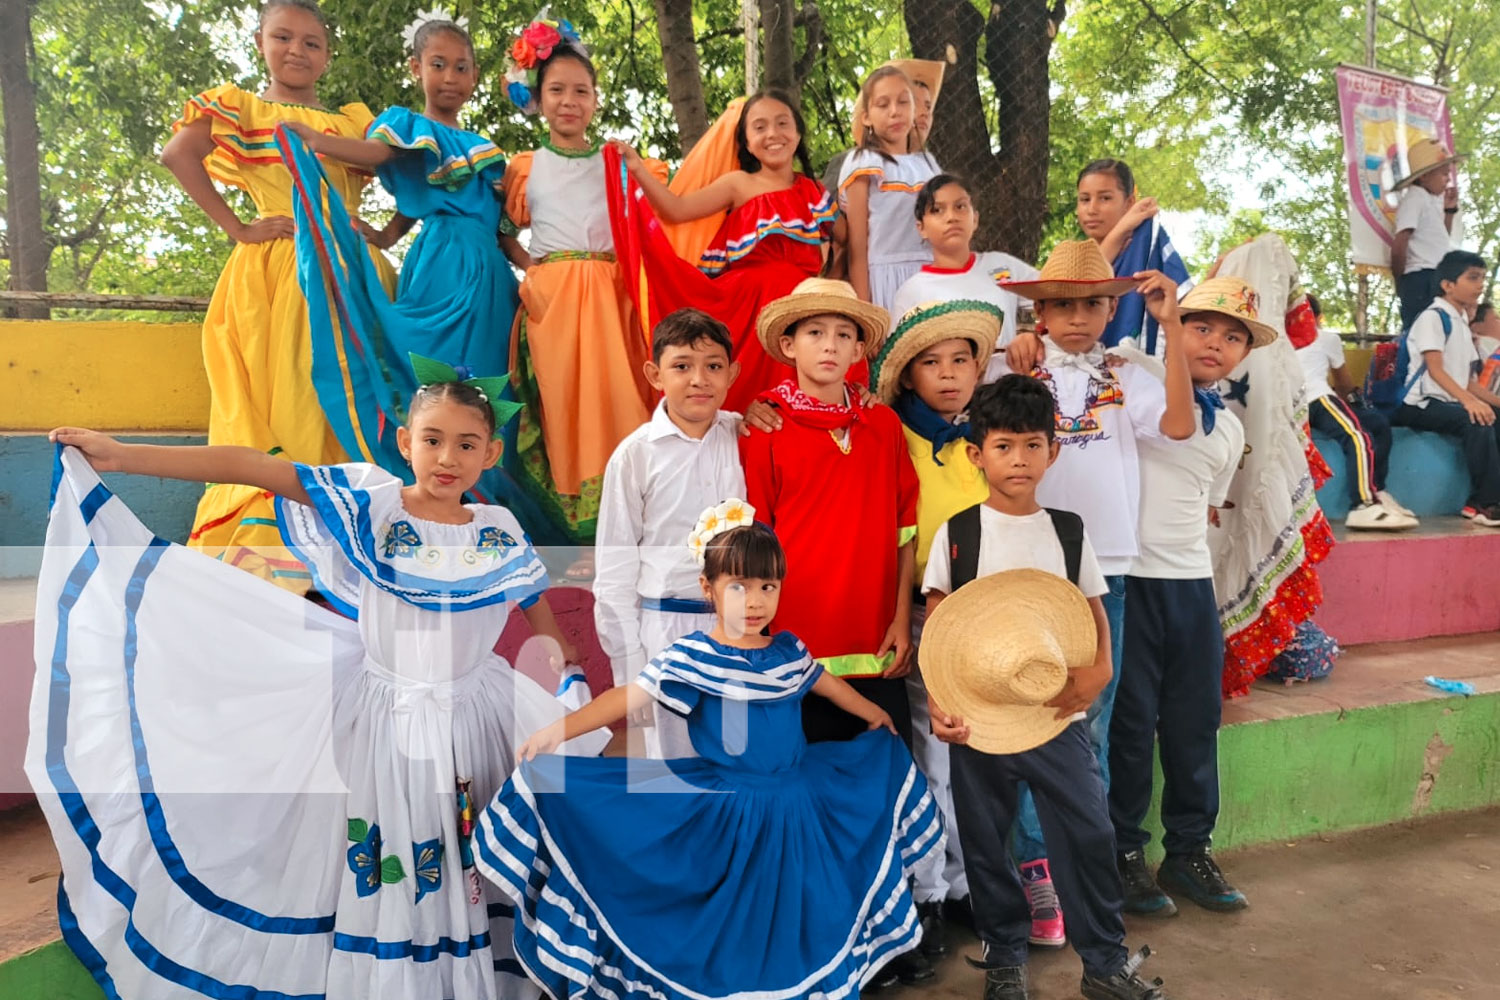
(1377, 517)
(1392, 503)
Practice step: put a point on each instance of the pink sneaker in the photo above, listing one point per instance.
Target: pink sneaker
(1046, 912)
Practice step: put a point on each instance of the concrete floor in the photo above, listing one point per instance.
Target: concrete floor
(1409, 912)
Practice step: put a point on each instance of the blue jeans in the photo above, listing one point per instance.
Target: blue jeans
(1027, 844)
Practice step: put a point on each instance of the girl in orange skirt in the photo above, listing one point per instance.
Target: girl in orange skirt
(577, 353)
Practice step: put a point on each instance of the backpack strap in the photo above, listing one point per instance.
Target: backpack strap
(1416, 377)
(963, 547)
(1069, 528)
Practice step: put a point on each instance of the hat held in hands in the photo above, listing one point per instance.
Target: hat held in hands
(999, 648)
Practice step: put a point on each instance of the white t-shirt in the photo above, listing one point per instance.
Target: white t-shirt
(1009, 542)
(1180, 480)
(1421, 211)
(977, 280)
(1459, 354)
(1323, 355)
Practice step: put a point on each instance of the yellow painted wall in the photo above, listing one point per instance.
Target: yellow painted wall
(108, 376)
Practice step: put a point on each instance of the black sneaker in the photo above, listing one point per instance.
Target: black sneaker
(1124, 984)
(960, 911)
(1006, 983)
(934, 931)
(912, 968)
(1196, 876)
(1142, 894)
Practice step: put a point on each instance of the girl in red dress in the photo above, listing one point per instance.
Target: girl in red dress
(773, 220)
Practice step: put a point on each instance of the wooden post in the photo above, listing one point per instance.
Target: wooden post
(750, 19)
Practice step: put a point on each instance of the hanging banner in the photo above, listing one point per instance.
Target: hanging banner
(1382, 116)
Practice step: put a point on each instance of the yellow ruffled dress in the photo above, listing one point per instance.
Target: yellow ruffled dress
(256, 346)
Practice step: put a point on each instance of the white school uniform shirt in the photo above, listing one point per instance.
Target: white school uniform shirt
(1421, 211)
(1460, 356)
(1324, 354)
(1101, 412)
(979, 279)
(656, 484)
(1009, 542)
(1180, 480)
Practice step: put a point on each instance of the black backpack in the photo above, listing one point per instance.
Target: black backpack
(963, 544)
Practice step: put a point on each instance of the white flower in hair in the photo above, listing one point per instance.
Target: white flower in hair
(716, 520)
(409, 33)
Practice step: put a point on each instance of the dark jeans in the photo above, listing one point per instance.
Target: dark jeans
(1481, 444)
(823, 721)
(1064, 780)
(1169, 697)
(1365, 436)
(1416, 290)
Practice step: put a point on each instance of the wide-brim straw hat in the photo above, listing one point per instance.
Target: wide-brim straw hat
(927, 72)
(1425, 156)
(821, 297)
(1074, 270)
(928, 324)
(996, 650)
(1232, 297)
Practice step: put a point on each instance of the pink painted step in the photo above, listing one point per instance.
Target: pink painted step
(1442, 579)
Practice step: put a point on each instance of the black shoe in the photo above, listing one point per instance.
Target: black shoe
(882, 980)
(912, 968)
(959, 911)
(1142, 894)
(934, 931)
(1124, 984)
(1196, 876)
(1006, 983)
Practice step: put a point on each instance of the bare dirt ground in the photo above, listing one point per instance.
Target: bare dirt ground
(1408, 912)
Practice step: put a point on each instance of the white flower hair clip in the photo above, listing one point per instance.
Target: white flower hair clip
(716, 520)
(424, 17)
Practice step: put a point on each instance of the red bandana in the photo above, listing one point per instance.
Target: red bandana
(1301, 324)
(810, 412)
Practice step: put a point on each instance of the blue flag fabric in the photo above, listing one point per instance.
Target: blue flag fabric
(1149, 249)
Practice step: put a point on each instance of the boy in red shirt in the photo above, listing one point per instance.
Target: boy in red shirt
(837, 484)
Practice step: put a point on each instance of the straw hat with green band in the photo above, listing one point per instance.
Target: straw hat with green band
(1425, 156)
(821, 297)
(1074, 270)
(999, 648)
(928, 324)
(431, 372)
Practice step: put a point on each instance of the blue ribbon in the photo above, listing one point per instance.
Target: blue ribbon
(928, 422)
(1209, 400)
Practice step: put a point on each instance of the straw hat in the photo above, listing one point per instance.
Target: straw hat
(927, 72)
(995, 651)
(821, 297)
(1233, 297)
(932, 323)
(1074, 270)
(1425, 156)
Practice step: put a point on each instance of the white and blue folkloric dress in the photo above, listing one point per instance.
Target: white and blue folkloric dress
(254, 797)
(764, 868)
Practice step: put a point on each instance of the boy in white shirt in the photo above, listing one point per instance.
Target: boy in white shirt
(660, 478)
(1445, 394)
(1103, 409)
(1363, 433)
(1424, 226)
(1174, 644)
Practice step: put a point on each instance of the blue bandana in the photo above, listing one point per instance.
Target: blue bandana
(928, 422)
(1209, 400)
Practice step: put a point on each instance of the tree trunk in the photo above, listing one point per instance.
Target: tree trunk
(779, 44)
(679, 47)
(26, 241)
(1009, 187)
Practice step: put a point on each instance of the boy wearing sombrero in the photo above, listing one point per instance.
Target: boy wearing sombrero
(927, 372)
(1104, 409)
(1170, 677)
(837, 485)
(1012, 663)
(1424, 225)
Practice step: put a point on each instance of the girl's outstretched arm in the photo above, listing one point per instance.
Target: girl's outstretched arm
(355, 152)
(184, 154)
(605, 710)
(838, 691)
(224, 463)
(717, 197)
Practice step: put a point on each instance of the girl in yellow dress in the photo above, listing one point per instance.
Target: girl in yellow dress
(577, 356)
(256, 346)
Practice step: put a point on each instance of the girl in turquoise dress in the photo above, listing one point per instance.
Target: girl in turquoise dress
(456, 296)
(764, 868)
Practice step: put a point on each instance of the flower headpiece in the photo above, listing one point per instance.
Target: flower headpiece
(715, 521)
(430, 372)
(424, 17)
(536, 42)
